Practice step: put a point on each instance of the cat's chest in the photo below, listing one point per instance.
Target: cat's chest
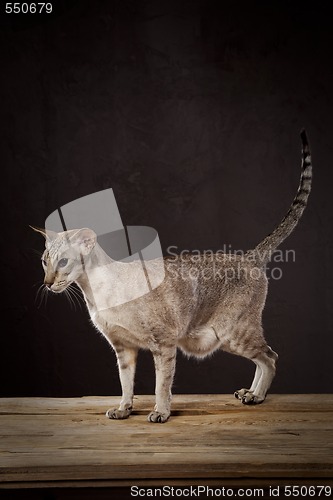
(104, 321)
(119, 329)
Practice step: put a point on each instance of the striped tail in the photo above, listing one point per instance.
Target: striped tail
(263, 252)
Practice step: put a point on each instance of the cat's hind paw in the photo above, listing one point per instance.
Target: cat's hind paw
(247, 397)
(117, 414)
(241, 393)
(157, 417)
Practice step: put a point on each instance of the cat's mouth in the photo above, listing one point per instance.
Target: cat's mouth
(57, 287)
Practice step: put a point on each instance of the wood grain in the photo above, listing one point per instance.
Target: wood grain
(44, 440)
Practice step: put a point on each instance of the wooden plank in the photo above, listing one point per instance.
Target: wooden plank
(205, 403)
(47, 440)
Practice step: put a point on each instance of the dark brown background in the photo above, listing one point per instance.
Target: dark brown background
(191, 112)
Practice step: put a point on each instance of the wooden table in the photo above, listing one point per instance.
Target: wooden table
(209, 440)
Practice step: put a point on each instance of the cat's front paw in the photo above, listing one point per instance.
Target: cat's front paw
(118, 414)
(250, 399)
(157, 417)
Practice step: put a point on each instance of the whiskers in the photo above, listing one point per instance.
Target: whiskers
(74, 296)
(41, 295)
(72, 293)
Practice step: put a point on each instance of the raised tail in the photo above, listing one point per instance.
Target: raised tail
(263, 252)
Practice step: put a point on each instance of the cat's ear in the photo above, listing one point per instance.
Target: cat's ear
(48, 235)
(84, 239)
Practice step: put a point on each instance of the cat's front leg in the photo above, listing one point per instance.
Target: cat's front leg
(126, 365)
(165, 363)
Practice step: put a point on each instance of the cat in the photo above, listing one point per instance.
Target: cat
(204, 304)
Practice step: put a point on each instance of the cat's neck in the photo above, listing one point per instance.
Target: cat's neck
(92, 277)
(106, 283)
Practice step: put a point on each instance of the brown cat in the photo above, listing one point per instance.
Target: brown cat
(205, 303)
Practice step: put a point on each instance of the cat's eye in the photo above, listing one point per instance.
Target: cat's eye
(62, 262)
(44, 262)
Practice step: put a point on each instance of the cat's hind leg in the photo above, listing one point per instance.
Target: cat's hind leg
(247, 340)
(265, 361)
(266, 367)
(126, 365)
(242, 392)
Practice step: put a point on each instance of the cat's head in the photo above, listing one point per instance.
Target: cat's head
(64, 256)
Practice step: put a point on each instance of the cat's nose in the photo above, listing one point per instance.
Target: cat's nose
(48, 285)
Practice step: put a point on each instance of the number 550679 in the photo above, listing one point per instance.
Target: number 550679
(28, 8)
